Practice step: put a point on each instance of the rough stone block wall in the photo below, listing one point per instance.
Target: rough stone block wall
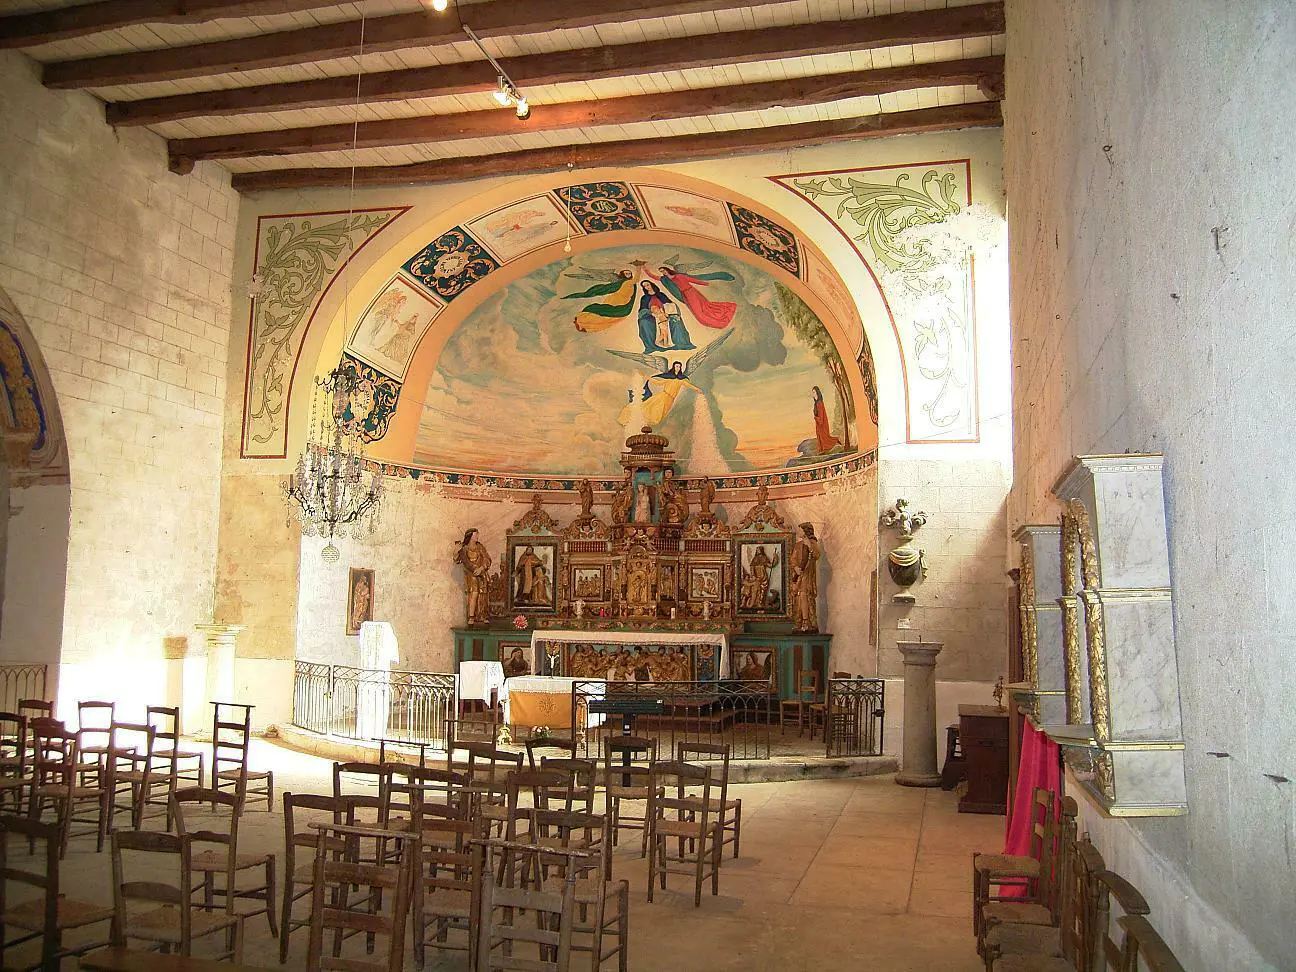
(122, 271)
(1149, 148)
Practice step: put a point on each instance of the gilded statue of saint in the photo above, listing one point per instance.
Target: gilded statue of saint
(639, 579)
(586, 492)
(621, 500)
(674, 504)
(803, 580)
(706, 496)
(476, 564)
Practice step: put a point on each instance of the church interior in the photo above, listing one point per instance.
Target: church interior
(503, 454)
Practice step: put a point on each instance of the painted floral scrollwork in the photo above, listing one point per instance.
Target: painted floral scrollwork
(297, 259)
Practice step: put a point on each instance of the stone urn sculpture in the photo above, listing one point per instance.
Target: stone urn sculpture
(906, 563)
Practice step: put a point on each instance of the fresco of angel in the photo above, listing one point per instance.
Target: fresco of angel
(617, 290)
(667, 381)
(682, 280)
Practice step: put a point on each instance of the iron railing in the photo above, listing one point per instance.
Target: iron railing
(21, 681)
(738, 714)
(853, 716)
(364, 703)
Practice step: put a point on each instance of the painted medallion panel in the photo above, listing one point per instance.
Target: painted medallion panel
(550, 372)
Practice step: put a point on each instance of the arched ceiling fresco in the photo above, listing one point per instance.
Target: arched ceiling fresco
(521, 345)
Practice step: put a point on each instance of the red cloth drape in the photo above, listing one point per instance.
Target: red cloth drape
(1038, 767)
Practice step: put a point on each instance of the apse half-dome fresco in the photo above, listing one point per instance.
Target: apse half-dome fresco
(551, 371)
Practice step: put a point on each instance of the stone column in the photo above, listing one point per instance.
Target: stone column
(220, 660)
(918, 761)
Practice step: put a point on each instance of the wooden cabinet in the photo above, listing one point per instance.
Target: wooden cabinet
(983, 734)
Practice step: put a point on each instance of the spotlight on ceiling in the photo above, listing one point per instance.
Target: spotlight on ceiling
(523, 109)
(506, 92)
(440, 6)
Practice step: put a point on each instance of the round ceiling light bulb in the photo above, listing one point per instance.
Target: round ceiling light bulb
(523, 109)
(440, 6)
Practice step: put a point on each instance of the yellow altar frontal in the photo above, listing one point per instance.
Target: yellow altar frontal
(538, 700)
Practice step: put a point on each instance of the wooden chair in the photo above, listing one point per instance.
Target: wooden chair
(567, 747)
(36, 708)
(199, 819)
(539, 785)
(56, 781)
(446, 886)
(333, 907)
(45, 917)
(691, 821)
(818, 711)
(94, 725)
(231, 739)
(488, 768)
(523, 927)
(1143, 948)
(798, 707)
(729, 811)
(302, 875)
(15, 762)
(602, 905)
(581, 776)
(131, 755)
(172, 765)
(168, 917)
(1041, 905)
(989, 870)
(626, 760)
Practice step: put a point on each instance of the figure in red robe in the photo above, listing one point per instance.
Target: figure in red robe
(823, 434)
(711, 313)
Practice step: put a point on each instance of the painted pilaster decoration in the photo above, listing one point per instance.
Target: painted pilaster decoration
(906, 563)
(1114, 507)
(1042, 693)
(918, 757)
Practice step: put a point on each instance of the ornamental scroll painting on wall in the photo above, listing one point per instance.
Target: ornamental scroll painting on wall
(914, 226)
(298, 258)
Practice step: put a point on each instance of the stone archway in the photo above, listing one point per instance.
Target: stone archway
(35, 502)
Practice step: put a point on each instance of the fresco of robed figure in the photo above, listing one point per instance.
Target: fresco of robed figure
(549, 373)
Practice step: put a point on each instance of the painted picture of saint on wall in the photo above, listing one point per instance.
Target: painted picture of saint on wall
(531, 578)
(760, 578)
(360, 599)
(704, 583)
(756, 666)
(392, 326)
(587, 584)
(515, 659)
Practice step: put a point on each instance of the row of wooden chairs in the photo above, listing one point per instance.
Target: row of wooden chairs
(1059, 915)
(107, 767)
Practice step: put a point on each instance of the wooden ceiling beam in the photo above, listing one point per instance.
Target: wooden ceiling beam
(64, 23)
(621, 60)
(642, 151)
(378, 35)
(791, 92)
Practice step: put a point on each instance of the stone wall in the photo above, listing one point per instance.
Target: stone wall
(1148, 151)
(122, 271)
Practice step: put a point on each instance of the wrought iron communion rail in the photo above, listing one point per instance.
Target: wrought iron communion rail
(363, 703)
(739, 714)
(853, 716)
(21, 681)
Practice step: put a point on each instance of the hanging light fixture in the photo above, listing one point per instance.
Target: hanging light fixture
(506, 93)
(327, 494)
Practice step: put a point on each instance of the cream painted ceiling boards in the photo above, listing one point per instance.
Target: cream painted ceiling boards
(275, 98)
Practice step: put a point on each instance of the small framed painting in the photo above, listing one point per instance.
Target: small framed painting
(531, 566)
(756, 666)
(587, 584)
(360, 599)
(704, 583)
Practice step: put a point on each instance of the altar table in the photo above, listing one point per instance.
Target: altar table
(537, 700)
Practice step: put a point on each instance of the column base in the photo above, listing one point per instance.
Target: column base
(918, 779)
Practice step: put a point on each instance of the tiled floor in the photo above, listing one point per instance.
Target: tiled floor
(838, 874)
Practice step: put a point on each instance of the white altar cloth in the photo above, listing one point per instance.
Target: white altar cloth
(633, 638)
(379, 651)
(478, 678)
(525, 691)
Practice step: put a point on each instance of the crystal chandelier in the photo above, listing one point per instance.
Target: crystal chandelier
(328, 494)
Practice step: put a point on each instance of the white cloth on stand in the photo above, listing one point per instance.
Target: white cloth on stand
(478, 678)
(378, 652)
